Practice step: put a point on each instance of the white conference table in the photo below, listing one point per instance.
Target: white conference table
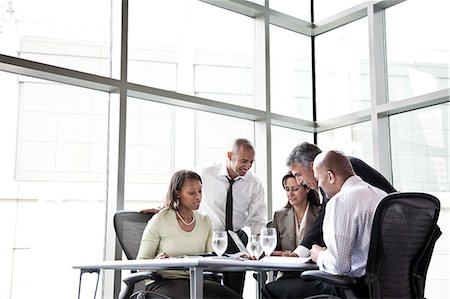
(196, 266)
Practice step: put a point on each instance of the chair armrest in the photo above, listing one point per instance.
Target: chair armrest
(336, 280)
(136, 277)
(132, 279)
(214, 276)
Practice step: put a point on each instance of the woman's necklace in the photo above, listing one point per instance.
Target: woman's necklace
(299, 220)
(182, 220)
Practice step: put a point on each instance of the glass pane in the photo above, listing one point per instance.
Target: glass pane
(421, 163)
(260, 2)
(162, 139)
(295, 8)
(420, 149)
(192, 47)
(283, 142)
(291, 79)
(212, 145)
(71, 34)
(325, 8)
(53, 184)
(342, 61)
(355, 140)
(418, 55)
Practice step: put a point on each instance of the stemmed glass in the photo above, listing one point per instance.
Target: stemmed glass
(254, 247)
(219, 242)
(268, 240)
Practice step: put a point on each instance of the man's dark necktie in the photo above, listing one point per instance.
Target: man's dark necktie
(229, 206)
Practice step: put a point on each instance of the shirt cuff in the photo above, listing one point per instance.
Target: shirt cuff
(319, 261)
(301, 251)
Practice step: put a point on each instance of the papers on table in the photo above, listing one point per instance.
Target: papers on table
(286, 259)
(241, 256)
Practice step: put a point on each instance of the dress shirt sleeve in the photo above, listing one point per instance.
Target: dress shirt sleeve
(301, 251)
(257, 211)
(336, 259)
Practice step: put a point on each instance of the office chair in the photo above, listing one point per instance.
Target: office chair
(129, 227)
(404, 233)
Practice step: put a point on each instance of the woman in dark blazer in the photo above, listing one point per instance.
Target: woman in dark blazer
(295, 219)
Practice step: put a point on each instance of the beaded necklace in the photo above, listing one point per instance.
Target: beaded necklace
(182, 220)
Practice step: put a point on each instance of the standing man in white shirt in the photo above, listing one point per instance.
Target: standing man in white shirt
(347, 228)
(248, 204)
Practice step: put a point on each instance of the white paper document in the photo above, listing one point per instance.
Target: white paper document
(286, 259)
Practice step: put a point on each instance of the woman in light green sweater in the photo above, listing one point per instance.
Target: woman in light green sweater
(179, 229)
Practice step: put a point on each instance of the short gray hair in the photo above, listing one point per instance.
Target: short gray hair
(304, 154)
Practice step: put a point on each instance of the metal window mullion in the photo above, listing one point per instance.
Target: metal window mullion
(261, 91)
(116, 200)
(379, 89)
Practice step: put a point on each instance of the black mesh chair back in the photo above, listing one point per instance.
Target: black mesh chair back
(403, 236)
(129, 227)
(404, 232)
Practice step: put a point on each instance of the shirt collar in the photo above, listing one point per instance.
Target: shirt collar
(350, 181)
(224, 172)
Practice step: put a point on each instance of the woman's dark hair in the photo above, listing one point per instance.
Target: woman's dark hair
(176, 183)
(312, 197)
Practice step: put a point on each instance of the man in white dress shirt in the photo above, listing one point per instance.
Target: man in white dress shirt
(301, 162)
(347, 224)
(248, 204)
(347, 228)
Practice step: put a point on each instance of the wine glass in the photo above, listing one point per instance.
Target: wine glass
(268, 240)
(219, 242)
(254, 246)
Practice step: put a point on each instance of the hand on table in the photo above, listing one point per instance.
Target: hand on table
(150, 211)
(162, 255)
(284, 253)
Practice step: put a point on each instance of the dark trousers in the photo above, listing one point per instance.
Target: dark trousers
(295, 288)
(235, 280)
(179, 289)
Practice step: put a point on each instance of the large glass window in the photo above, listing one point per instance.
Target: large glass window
(193, 48)
(291, 78)
(283, 141)
(53, 178)
(342, 61)
(420, 149)
(421, 163)
(295, 8)
(324, 8)
(60, 142)
(71, 34)
(418, 55)
(354, 140)
(162, 139)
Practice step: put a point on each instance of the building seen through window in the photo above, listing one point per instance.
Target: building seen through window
(201, 73)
